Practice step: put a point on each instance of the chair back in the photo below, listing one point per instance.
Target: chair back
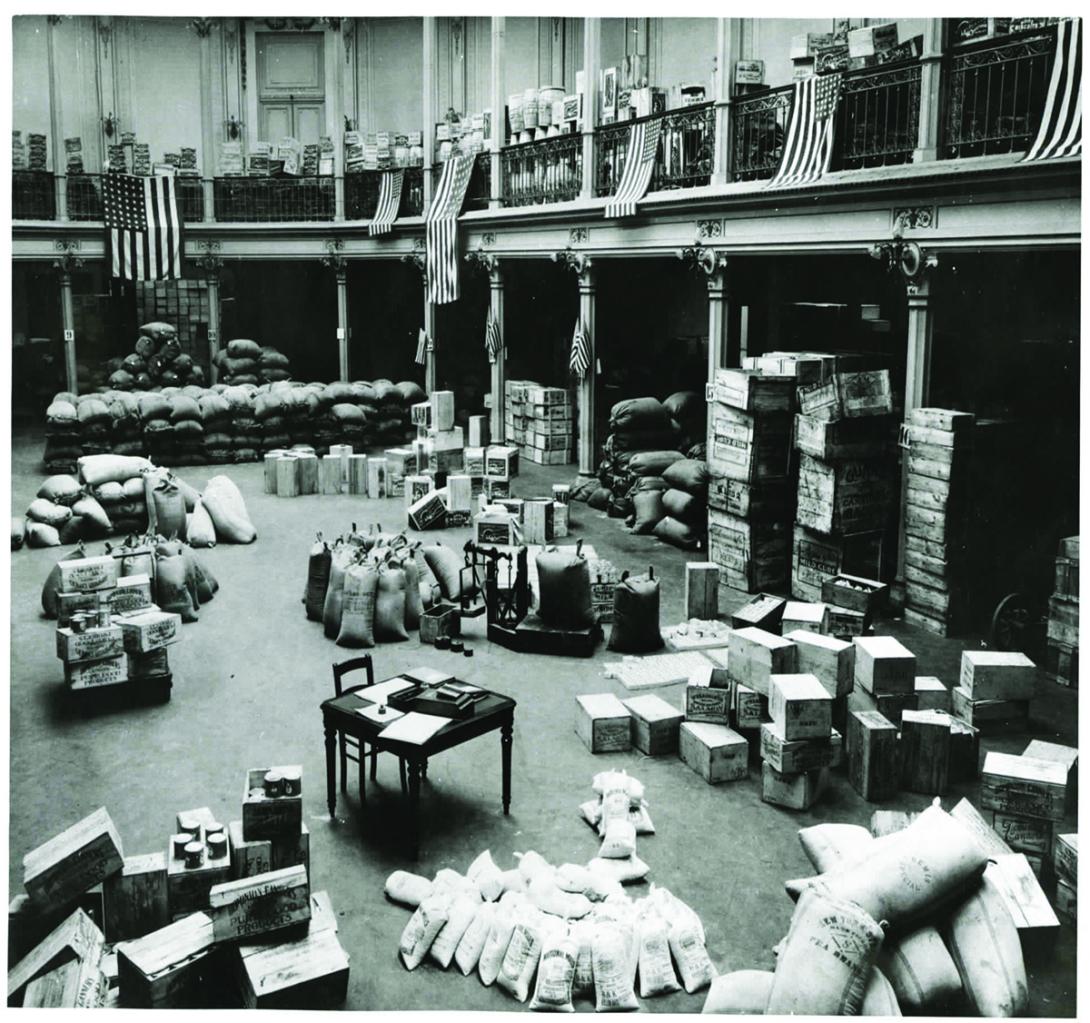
(349, 666)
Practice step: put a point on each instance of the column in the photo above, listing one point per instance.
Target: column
(208, 138)
(430, 378)
(336, 116)
(927, 145)
(588, 386)
(728, 40)
(430, 42)
(68, 325)
(717, 320)
(499, 367)
(213, 325)
(498, 103)
(342, 322)
(592, 47)
(56, 131)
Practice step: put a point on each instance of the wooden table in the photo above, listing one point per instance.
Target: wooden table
(339, 715)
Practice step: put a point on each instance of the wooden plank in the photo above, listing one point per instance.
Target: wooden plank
(1022, 785)
(602, 722)
(873, 756)
(925, 752)
(1022, 894)
(136, 900)
(261, 904)
(989, 842)
(73, 861)
(78, 984)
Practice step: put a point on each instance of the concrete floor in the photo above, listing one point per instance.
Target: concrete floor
(249, 677)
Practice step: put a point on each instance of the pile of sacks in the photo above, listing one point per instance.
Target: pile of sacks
(157, 360)
(118, 495)
(574, 927)
(618, 814)
(243, 361)
(908, 922)
(673, 506)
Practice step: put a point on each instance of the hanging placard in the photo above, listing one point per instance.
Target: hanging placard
(69, 334)
(340, 333)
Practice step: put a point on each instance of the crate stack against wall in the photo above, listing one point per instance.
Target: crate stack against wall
(937, 491)
(842, 433)
(749, 497)
(1062, 652)
(539, 421)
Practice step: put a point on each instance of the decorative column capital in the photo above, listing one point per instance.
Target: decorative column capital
(202, 26)
(915, 265)
(209, 260)
(418, 259)
(483, 260)
(578, 262)
(703, 259)
(67, 259)
(337, 261)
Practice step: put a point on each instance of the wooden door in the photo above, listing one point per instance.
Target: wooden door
(291, 85)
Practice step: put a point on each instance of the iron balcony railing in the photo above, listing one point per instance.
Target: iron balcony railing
(83, 193)
(361, 190)
(272, 200)
(879, 116)
(546, 171)
(479, 189)
(684, 158)
(412, 192)
(758, 130)
(33, 195)
(994, 94)
(190, 193)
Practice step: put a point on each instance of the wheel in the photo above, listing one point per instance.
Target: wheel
(1008, 622)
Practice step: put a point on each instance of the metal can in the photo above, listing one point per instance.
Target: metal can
(213, 828)
(78, 623)
(194, 854)
(217, 846)
(178, 843)
(273, 784)
(291, 783)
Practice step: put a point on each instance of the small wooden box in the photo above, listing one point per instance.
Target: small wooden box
(752, 391)
(459, 494)
(750, 707)
(287, 476)
(603, 723)
(168, 968)
(86, 575)
(248, 857)
(997, 675)
(69, 604)
(308, 973)
(421, 414)
(1039, 749)
(501, 462)
(442, 410)
(133, 593)
(308, 472)
(1067, 899)
(884, 665)
(292, 851)
(991, 716)
(706, 703)
(257, 905)
(75, 937)
(802, 755)
(188, 887)
(496, 487)
(1029, 835)
(931, 694)
(843, 621)
(270, 816)
(1017, 883)
(440, 620)
(654, 724)
(90, 645)
(800, 616)
(78, 858)
(755, 656)
(77, 984)
(702, 590)
(855, 593)
(764, 611)
(1022, 785)
(478, 432)
(925, 751)
(873, 760)
(496, 529)
(473, 460)
(377, 479)
(136, 900)
(830, 660)
(148, 630)
(155, 664)
(889, 705)
(330, 479)
(357, 474)
(800, 706)
(417, 487)
(537, 521)
(1065, 858)
(793, 791)
(428, 512)
(715, 752)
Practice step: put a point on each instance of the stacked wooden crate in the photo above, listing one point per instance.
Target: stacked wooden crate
(994, 690)
(842, 431)
(547, 425)
(936, 515)
(1062, 652)
(748, 451)
(799, 744)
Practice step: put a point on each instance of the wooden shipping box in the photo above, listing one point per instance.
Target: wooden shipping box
(931, 694)
(1023, 785)
(987, 839)
(602, 722)
(427, 512)
(76, 937)
(800, 706)
(755, 656)
(478, 432)
(748, 447)
(28, 925)
(108, 671)
(537, 521)
(248, 858)
(167, 969)
(873, 756)
(377, 479)
(357, 474)
(1065, 857)
(148, 630)
(750, 707)
(1067, 899)
(843, 622)
(69, 604)
(261, 904)
(287, 475)
(420, 413)
(154, 665)
(793, 791)
(188, 887)
(889, 705)
(884, 665)
(330, 479)
(442, 410)
(77, 984)
(805, 616)
(830, 660)
(849, 438)
(133, 593)
(715, 752)
(501, 462)
(960, 424)
(801, 755)
(136, 901)
(764, 611)
(291, 850)
(1021, 891)
(270, 816)
(992, 716)
(764, 500)
(73, 861)
(1063, 620)
(1040, 749)
(654, 724)
(964, 751)
(842, 497)
(308, 973)
(85, 575)
(997, 675)
(814, 558)
(855, 593)
(1029, 835)
(707, 703)
(752, 391)
(925, 752)
(89, 645)
(848, 396)
(702, 590)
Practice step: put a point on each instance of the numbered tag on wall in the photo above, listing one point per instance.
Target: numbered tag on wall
(69, 334)
(340, 333)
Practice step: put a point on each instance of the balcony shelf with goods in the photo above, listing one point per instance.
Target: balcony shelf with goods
(545, 171)
(759, 127)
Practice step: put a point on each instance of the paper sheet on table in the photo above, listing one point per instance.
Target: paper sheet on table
(380, 713)
(414, 728)
(383, 690)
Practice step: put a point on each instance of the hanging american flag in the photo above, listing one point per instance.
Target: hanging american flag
(389, 202)
(809, 146)
(579, 360)
(421, 347)
(1060, 133)
(143, 229)
(643, 143)
(492, 340)
(442, 229)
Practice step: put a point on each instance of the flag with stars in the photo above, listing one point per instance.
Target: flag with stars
(808, 150)
(143, 228)
(579, 360)
(492, 340)
(441, 229)
(643, 145)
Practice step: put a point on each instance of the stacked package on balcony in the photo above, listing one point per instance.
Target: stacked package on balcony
(938, 489)
(642, 444)
(36, 152)
(1062, 652)
(18, 151)
(749, 455)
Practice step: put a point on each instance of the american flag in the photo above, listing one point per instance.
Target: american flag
(1060, 133)
(809, 145)
(579, 360)
(492, 340)
(143, 229)
(441, 231)
(643, 144)
(421, 347)
(389, 202)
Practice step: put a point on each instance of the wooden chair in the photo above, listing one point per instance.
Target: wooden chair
(352, 748)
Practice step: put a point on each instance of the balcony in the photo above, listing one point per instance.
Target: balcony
(758, 130)
(83, 193)
(33, 195)
(273, 200)
(361, 189)
(190, 193)
(684, 158)
(994, 95)
(479, 189)
(879, 117)
(546, 171)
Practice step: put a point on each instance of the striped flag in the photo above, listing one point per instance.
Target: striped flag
(421, 347)
(1060, 133)
(643, 143)
(441, 230)
(389, 202)
(143, 229)
(492, 340)
(579, 360)
(809, 146)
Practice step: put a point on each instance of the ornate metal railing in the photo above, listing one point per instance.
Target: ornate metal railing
(758, 129)
(684, 157)
(879, 116)
(994, 95)
(479, 189)
(83, 193)
(190, 192)
(412, 192)
(270, 200)
(546, 171)
(33, 195)
(361, 190)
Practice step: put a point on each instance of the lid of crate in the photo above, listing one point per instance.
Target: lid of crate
(997, 659)
(765, 638)
(830, 643)
(801, 686)
(883, 646)
(1041, 750)
(803, 611)
(1010, 765)
(651, 708)
(602, 705)
(929, 684)
(712, 735)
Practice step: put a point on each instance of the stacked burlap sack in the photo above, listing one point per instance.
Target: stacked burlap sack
(62, 434)
(906, 923)
(676, 510)
(238, 362)
(689, 412)
(157, 360)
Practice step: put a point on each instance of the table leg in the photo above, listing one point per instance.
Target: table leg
(424, 770)
(506, 739)
(362, 765)
(331, 769)
(414, 808)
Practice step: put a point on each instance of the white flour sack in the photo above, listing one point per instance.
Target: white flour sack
(531, 864)
(687, 944)
(879, 999)
(827, 845)
(825, 960)
(459, 917)
(612, 976)
(499, 936)
(550, 898)
(487, 876)
(408, 889)
(627, 871)
(556, 970)
(618, 839)
(423, 926)
(522, 955)
(657, 975)
(742, 993)
(920, 970)
(468, 952)
(985, 947)
(570, 877)
(583, 935)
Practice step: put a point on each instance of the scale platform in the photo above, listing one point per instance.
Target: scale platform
(533, 636)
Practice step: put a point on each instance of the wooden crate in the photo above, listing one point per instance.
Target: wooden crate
(89, 645)
(68, 864)
(427, 512)
(270, 816)
(420, 414)
(789, 757)
(78, 984)
(804, 616)
(330, 478)
(86, 575)
(501, 462)
(1022, 785)
(147, 630)
(800, 706)
(1065, 857)
(752, 391)
(764, 500)
(715, 752)
(1039, 749)
(1063, 621)
(748, 447)
(169, 968)
(814, 558)
(931, 694)
(135, 901)
(537, 521)
(842, 497)
(357, 474)
(889, 705)
(133, 593)
(478, 432)
(704, 702)
(602, 722)
(153, 665)
(793, 791)
(997, 675)
(993, 717)
(442, 410)
(855, 593)
(925, 752)
(188, 887)
(702, 590)
(287, 475)
(764, 611)
(844, 623)
(884, 665)
(75, 937)
(654, 724)
(755, 656)
(987, 839)
(750, 707)
(849, 438)
(377, 479)
(108, 671)
(873, 756)
(260, 904)
(964, 751)
(1067, 899)
(308, 973)
(292, 850)
(248, 857)
(830, 660)
(69, 604)
(1029, 835)
(848, 396)
(308, 472)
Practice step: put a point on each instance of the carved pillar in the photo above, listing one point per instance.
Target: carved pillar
(927, 144)
(203, 28)
(65, 263)
(210, 262)
(580, 264)
(56, 120)
(419, 260)
(337, 112)
(430, 45)
(592, 48)
(728, 39)
(487, 262)
(338, 263)
(712, 263)
(499, 121)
